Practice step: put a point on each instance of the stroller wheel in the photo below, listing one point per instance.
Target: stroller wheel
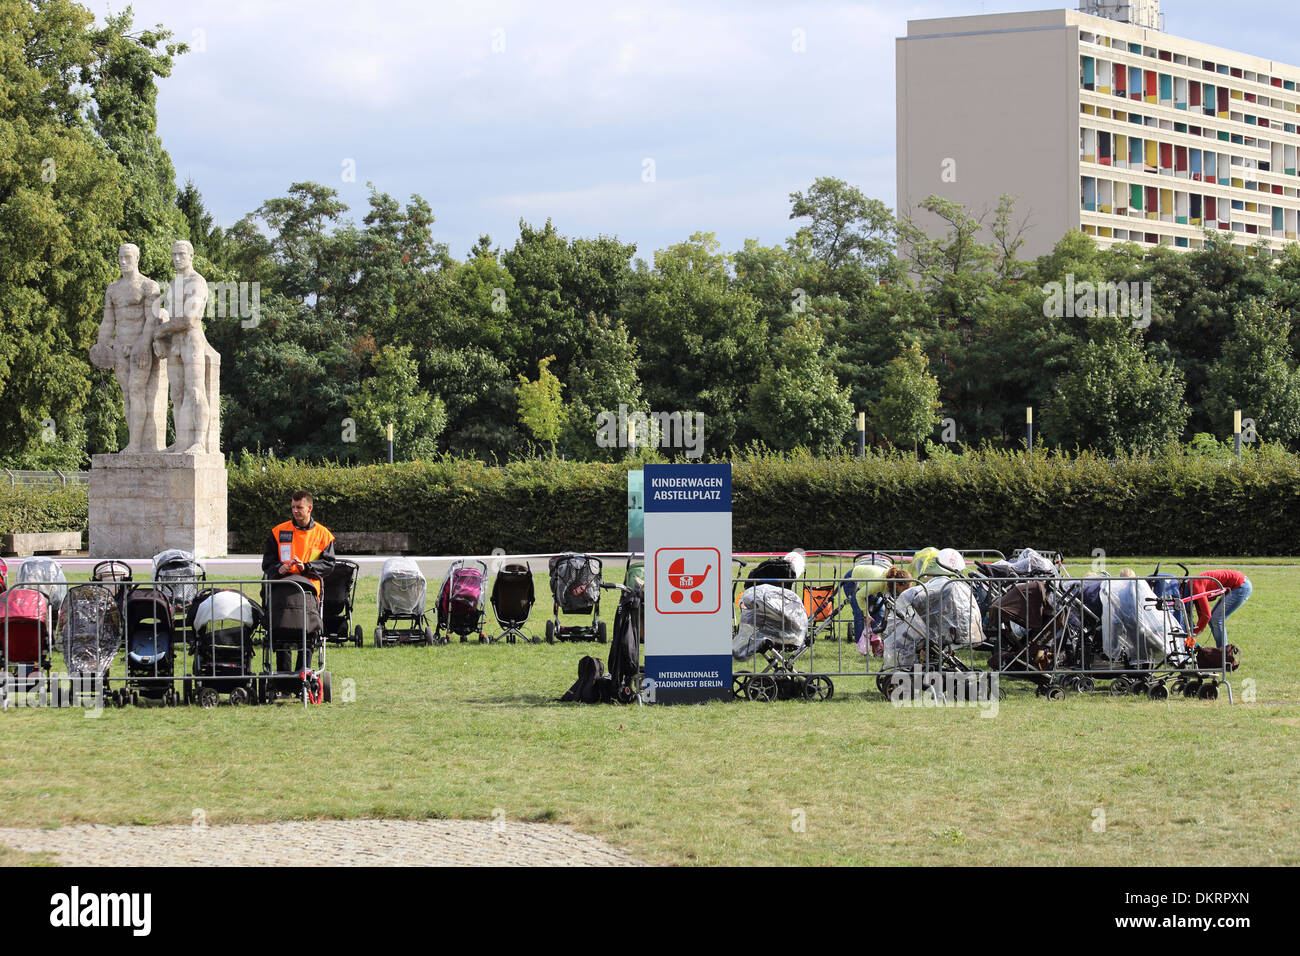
(1138, 688)
(601, 634)
(1158, 692)
(738, 687)
(819, 688)
(550, 632)
(135, 698)
(1084, 685)
(379, 637)
(326, 687)
(239, 696)
(762, 687)
(1191, 689)
(1054, 693)
(1119, 687)
(1209, 691)
(208, 698)
(358, 636)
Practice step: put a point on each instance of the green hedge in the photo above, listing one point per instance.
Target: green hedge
(30, 509)
(1181, 504)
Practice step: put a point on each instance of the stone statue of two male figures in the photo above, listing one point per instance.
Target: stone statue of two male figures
(139, 331)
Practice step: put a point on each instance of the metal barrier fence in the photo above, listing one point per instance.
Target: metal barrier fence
(55, 477)
(1059, 633)
(171, 632)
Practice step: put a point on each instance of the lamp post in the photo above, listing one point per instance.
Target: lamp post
(390, 443)
(862, 434)
(1029, 427)
(1236, 433)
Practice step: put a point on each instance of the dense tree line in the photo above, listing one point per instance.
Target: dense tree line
(521, 346)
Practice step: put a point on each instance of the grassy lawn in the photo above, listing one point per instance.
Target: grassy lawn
(462, 730)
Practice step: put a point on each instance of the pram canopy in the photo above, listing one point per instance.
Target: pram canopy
(402, 588)
(44, 575)
(770, 615)
(225, 609)
(90, 629)
(944, 612)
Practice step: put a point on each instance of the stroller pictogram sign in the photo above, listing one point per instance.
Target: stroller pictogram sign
(688, 580)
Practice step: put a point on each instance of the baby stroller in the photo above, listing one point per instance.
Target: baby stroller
(117, 577)
(1034, 634)
(46, 576)
(293, 626)
(930, 623)
(178, 576)
(512, 601)
(90, 632)
(575, 589)
(774, 624)
(624, 663)
(339, 595)
(150, 646)
(26, 641)
(460, 602)
(222, 624)
(1140, 633)
(401, 598)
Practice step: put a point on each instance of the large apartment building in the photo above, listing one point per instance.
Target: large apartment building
(1098, 122)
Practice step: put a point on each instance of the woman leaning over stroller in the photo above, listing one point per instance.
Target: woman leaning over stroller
(1235, 588)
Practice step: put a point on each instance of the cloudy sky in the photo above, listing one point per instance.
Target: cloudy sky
(649, 121)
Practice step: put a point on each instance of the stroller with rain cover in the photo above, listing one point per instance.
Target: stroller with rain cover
(401, 597)
(338, 597)
(178, 576)
(1142, 636)
(46, 576)
(512, 601)
(222, 624)
(460, 602)
(150, 646)
(90, 632)
(773, 623)
(928, 628)
(575, 589)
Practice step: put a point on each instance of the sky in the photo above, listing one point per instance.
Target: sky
(645, 121)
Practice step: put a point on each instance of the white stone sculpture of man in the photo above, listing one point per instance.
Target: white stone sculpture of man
(180, 338)
(131, 315)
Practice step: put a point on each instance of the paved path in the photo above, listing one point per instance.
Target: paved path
(322, 843)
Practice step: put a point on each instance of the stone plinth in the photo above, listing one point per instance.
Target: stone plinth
(143, 504)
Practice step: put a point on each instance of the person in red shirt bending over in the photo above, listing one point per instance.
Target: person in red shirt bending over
(1234, 588)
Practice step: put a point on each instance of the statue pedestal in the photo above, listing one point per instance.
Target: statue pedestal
(143, 504)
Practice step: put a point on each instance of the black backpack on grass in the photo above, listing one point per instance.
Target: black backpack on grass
(592, 685)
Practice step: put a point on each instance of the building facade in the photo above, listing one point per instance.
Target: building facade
(1099, 124)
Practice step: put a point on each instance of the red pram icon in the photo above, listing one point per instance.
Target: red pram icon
(681, 582)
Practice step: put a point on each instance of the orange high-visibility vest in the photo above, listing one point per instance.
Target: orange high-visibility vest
(305, 545)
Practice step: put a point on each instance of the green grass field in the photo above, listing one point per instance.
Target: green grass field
(462, 730)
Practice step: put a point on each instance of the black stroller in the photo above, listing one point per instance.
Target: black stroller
(178, 576)
(222, 624)
(338, 598)
(575, 589)
(294, 629)
(150, 646)
(512, 601)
